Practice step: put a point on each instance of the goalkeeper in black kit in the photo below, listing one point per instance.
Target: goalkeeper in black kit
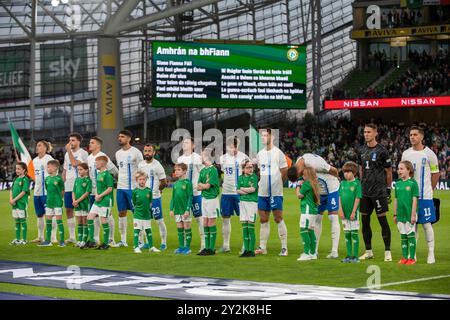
(376, 180)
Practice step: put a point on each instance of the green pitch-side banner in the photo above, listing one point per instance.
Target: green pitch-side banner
(195, 74)
(14, 72)
(64, 68)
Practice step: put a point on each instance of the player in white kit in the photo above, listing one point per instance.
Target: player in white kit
(194, 163)
(273, 172)
(426, 173)
(40, 197)
(231, 165)
(127, 159)
(329, 197)
(95, 146)
(73, 157)
(156, 182)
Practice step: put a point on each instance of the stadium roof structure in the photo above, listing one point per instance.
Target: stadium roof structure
(323, 25)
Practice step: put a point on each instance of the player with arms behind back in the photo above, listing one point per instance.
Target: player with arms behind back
(142, 200)
(194, 164)
(350, 197)
(231, 165)
(273, 171)
(180, 208)
(405, 210)
(127, 158)
(247, 188)
(18, 199)
(376, 179)
(426, 173)
(208, 184)
(156, 182)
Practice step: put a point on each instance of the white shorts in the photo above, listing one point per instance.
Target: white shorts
(19, 214)
(141, 224)
(350, 225)
(103, 212)
(247, 211)
(406, 227)
(210, 208)
(181, 218)
(53, 211)
(308, 221)
(81, 213)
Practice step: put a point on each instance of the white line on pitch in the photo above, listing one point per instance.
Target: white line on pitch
(408, 281)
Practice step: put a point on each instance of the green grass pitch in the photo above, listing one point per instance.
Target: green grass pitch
(270, 268)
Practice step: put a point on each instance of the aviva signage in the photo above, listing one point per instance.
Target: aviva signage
(401, 32)
(109, 74)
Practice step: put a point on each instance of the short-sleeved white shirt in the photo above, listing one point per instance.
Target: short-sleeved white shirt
(231, 166)
(71, 172)
(270, 163)
(127, 162)
(40, 172)
(155, 172)
(425, 162)
(327, 182)
(194, 164)
(110, 166)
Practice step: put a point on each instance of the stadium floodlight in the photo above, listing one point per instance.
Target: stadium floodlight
(55, 3)
(65, 1)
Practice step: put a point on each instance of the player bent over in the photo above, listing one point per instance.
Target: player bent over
(102, 205)
(310, 200)
(350, 194)
(142, 200)
(405, 210)
(80, 200)
(54, 185)
(18, 198)
(247, 188)
(180, 207)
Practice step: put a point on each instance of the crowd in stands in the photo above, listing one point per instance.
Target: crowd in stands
(398, 18)
(429, 77)
(338, 141)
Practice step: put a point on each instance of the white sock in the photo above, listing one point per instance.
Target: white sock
(335, 232)
(201, 231)
(282, 233)
(54, 229)
(429, 236)
(112, 224)
(162, 230)
(41, 227)
(71, 224)
(226, 231)
(318, 230)
(264, 233)
(97, 229)
(123, 228)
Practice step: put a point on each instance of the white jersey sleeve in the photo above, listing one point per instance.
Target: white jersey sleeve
(40, 171)
(111, 167)
(317, 162)
(432, 160)
(282, 162)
